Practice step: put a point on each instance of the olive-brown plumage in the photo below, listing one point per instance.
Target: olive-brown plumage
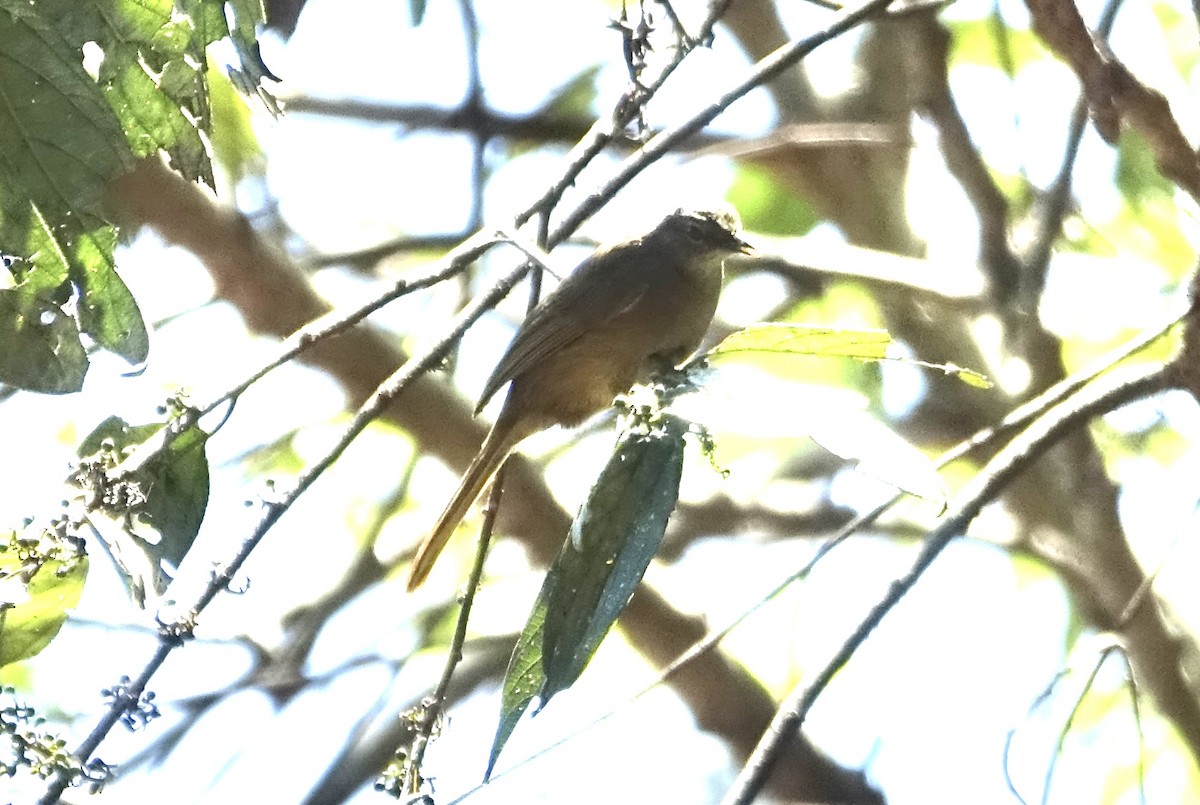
(641, 305)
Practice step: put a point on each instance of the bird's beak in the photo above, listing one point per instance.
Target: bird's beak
(745, 248)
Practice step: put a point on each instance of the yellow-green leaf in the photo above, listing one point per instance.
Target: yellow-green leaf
(800, 339)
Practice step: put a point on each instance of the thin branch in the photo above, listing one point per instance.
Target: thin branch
(433, 707)
(986, 437)
(173, 634)
(1057, 199)
(766, 70)
(603, 132)
(965, 163)
(338, 321)
(405, 244)
(418, 365)
(1060, 744)
(1106, 394)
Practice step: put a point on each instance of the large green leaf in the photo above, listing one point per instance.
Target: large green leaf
(36, 593)
(153, 72)
(160, 505)
(611, 542)
(829, 342)
(65, 135)
(60, 147)
(39, 344)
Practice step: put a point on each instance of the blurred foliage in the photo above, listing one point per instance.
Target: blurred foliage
(767, 207)
(41, 580)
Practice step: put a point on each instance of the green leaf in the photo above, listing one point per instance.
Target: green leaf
(40, 348)
(977, 42)
(177, 493)
(66, 135)
(65, 168)
(611, 543)
(35, 595)
(766, 206)
(54, 177)
(575, 98)
(1137, 174)
(107, 310)
(830, 342)
(162, 500)
(208, 20)
(248, 15)
(800, 339)
(234, 143)
(151, 110)
(614, 537)
(523, 680)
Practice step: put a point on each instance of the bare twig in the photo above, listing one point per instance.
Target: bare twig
(432, 708)
(1057, 199)
(965, 162)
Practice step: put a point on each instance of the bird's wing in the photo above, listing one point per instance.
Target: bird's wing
(578, 305)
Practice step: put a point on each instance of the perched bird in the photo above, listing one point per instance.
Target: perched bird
(627, 310)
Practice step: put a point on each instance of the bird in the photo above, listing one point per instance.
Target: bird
(627, 310)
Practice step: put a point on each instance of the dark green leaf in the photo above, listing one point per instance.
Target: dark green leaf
(177, 493)
(613, 539)
(208, 20)
(39, 344)
(120, 435)
(107, 310)
(64, 169)
(151, 116)
(248, 14)
(54, 177)
(163, 499)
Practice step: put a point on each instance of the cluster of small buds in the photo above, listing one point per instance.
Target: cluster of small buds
(137, 712)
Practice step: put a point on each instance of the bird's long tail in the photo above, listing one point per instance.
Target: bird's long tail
(500, 441)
